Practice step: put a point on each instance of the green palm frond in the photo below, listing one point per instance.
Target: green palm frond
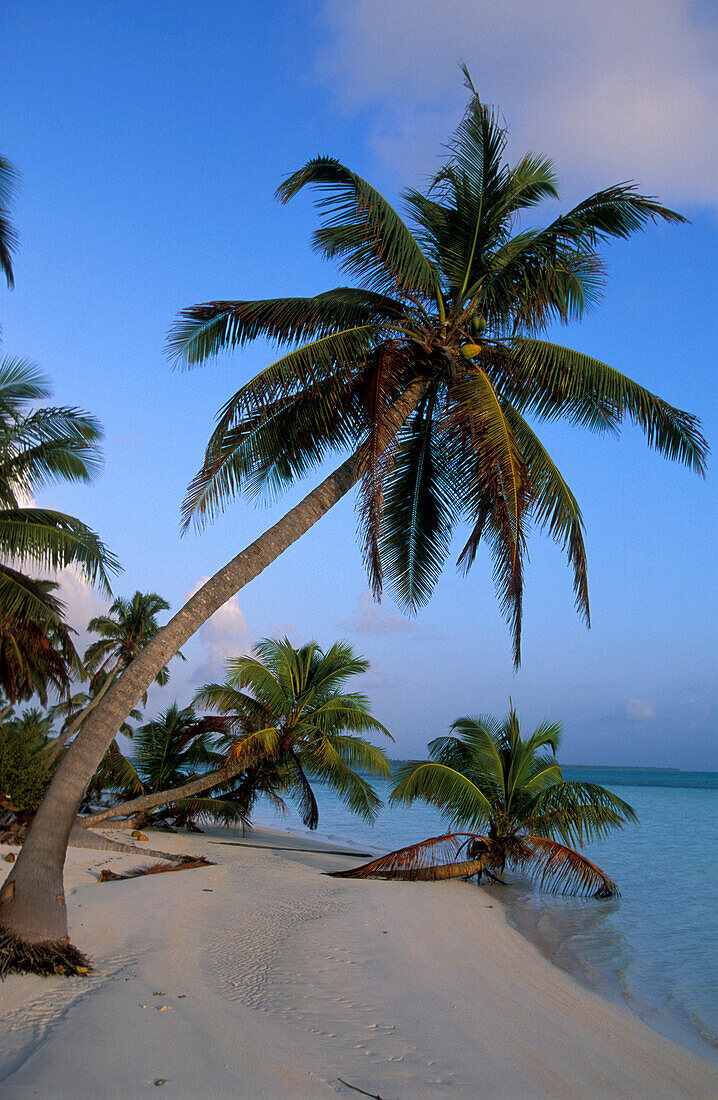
(552, 381)
(204, 330)
(419, 509)
(576, 813)
(323, 761)
(460, 798)
(302, 790)
(553, 505)
(474, 751)
(52, 540)
(118, 775)
(363, 230)
(9, 182)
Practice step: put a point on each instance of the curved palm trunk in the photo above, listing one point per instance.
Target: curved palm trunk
(80, 718)
(438, 873)
(32, 900)
(160, 798)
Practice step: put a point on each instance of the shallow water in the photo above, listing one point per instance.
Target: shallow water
(654, 948)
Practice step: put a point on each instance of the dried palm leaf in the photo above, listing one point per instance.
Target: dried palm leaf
(562, 870)
(429, 861)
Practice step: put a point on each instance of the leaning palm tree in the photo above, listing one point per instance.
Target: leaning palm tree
(289, 706)
(127, 627)
(487, 777)
(428, 372)
(284, 720)
(166, 752)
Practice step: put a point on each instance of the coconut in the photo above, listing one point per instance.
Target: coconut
(470, 351)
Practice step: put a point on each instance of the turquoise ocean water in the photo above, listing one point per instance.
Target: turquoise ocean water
(655, 948)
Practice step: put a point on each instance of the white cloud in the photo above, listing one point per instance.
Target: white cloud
(224, 635)
(82, 602)
(610, 90)
(639, 710)
(372, 618)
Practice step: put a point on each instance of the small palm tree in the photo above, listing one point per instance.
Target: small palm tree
(166, 753)
(288, 706)
(124, 631)
(486, 777)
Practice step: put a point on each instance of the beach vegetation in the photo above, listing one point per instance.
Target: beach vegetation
(123, 631)
(283, 721)
(508, 805)
(166, 753)
(39, 446)
(434, 440)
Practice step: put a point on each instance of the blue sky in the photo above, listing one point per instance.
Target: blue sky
(151, 139)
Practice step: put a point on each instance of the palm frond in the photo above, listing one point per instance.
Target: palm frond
(419, 509)
(553, 505)
(461, 799)
(578, 812)
(561, 870)
(52, 540)
(9, 181)
(363, 230)
(204, 330)
(553, 381)
(429, 861)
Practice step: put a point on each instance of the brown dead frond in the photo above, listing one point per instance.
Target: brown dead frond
(430, 860)
(187, 864)
(562, 870)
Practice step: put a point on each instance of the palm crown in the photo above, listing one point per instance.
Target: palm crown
(487, 777)
(166, 752)
(124, 631)
(37, 447)
(449, 310)
(289, 707)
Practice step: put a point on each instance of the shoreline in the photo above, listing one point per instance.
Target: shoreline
(261, 977)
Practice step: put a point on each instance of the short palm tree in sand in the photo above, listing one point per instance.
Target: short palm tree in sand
(511, 794)
(288, 708)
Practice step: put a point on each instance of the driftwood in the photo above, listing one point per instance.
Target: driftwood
(187, 863)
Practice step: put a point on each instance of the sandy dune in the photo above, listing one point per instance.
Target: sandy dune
(262, 978)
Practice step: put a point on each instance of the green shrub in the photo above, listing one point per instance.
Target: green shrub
(23, 774)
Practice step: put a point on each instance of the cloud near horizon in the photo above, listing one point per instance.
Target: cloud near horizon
(639, 710)
(611, 91)
(371, 618)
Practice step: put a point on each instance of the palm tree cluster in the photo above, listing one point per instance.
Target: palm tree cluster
(283, 720)
(430, 371)
(486, 777)
(39, 446)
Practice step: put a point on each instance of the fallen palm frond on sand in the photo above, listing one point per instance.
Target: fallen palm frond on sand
(181, 863)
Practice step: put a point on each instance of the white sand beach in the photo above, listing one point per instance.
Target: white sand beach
(262, 978)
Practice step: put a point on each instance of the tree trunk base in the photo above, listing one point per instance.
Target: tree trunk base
(48, 958)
